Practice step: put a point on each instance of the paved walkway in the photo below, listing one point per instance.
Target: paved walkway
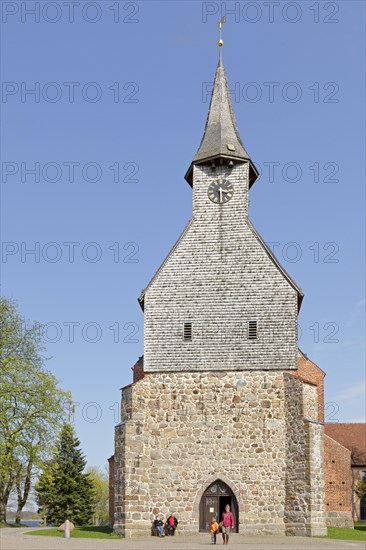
(16, 539)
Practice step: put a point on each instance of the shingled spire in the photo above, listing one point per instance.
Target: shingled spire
(221, 139)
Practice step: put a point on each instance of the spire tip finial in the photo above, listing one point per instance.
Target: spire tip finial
(220, 43)
(220, 24)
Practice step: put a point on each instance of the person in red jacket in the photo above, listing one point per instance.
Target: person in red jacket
(227, 519)
(171, 524)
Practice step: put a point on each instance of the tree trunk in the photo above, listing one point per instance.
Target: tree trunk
(2, 511)
(23, 495)
(18, 515)
(5, 490)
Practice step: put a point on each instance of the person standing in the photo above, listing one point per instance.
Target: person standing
(214, 529)
(227, 524)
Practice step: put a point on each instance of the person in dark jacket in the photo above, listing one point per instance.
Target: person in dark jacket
(159, 526)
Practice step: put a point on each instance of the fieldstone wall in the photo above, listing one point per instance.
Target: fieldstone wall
(310, 400)
(309, 372)
(339, 519)
(315, 521)
(304, 509)
(119, 479)
(111, 476)
(181, 431)
(219, 277)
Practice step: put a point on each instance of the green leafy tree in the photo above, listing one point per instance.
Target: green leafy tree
(361, 489)
(100, 480)
(64, 490)
(32, 406)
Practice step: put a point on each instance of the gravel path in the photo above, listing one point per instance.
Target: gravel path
(16, 539)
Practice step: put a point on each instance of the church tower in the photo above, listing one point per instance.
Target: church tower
(217, 413)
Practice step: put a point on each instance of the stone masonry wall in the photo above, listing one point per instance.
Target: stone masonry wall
(219, 277)
(310, 399)
(119, 478)
(138, 369)
(315, 522)
(308, 371)
(111, 490)
(304, 508)
(182, 431)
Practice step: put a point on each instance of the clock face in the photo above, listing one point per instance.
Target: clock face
(220, 191)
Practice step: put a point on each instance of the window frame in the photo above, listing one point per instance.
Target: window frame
(250, 329)
(185, 325)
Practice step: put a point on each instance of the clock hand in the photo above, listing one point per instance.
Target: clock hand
(220, 190)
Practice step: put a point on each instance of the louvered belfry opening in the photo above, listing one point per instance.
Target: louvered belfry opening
(187, 331)
(252, 330)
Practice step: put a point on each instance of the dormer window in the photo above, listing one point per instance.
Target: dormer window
(252, 330)
(187, 331)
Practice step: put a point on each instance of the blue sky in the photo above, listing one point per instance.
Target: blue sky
(124, 98)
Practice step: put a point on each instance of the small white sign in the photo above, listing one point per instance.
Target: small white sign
(212, 510)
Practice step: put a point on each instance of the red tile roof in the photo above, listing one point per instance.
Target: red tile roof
(351, 435)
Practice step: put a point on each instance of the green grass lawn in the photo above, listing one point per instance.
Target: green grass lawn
(344, 533)
(79, 533)
(358, 533)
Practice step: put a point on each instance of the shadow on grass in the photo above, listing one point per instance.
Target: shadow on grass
(86, 532)
(360, 526)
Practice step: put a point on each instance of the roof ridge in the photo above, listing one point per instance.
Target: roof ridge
(277, 263)
(298, 377)
(335, 441)
(142, 295)
(311, 361)
(338, 423)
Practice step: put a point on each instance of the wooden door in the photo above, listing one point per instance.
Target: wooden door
(209, 509)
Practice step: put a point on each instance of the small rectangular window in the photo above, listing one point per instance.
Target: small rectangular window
(187, 331)
(252, 330)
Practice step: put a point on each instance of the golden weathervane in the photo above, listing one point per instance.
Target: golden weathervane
(220, 23)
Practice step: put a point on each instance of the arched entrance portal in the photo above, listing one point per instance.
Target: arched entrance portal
(363, 509)
(213, 503)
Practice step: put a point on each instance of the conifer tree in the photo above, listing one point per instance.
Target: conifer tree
(63, 490)
(45, 491)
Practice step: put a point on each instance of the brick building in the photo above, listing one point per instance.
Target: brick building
(224, 409)
(345, 458)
